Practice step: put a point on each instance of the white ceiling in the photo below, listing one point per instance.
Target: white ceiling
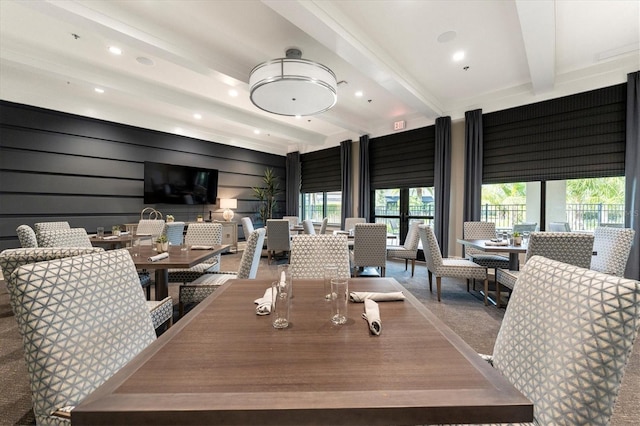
(516, 51)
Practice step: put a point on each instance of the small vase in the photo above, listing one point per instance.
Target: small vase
(517, 241)
(162, 247)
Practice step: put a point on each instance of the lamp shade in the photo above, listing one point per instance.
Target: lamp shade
(228, 203)
(293, 86)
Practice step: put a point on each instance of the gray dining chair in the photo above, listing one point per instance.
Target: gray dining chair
(174, 232)
(369, 247)
(448, 267)
(483, 231)
(350, 222)
(152, 227)
(409, 250)
(323, 226)
(559, 227)
(307, 225)
(26, 236)
(565, 340)
(199, 234)
(525, 227)
(611, 247)
(311, 253)
(278, 238)
(72, 237)
(573, 248)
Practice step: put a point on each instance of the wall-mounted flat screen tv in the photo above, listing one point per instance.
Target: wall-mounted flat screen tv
(172, 184)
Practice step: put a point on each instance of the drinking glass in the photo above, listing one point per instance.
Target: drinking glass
(100, 232)
(284, 273)
(184, 246)
(280, 294)
(330, 272)
(525, 237)
(339, 300)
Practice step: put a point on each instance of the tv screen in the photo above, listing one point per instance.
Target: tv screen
(172, 184)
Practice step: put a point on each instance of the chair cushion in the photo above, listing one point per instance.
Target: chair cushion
(161, 311)
(198, 290)
(490, 260)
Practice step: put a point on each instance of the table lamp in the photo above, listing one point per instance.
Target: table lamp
(227, 204)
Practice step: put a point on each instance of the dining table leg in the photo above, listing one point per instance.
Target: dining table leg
(514, 262)
(162, 283)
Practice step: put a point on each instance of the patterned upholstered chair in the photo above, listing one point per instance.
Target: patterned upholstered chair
(448, 267)
(561, 346)
(198, 290)
(27, 236)
(483, 231)
(174, 232)
(525, 227)
(568, 247)
(612, 247)
(161, 311)
(323, 226)
(199, 234)
(311, 253)
(409, 250)
(152, 227)
(50, 226)
(279, 237)
(307, 224)
(78, 331)
(74, 237)
(247, 229)
(369, 247)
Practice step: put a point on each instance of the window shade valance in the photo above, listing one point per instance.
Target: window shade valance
(403, 160)
(577, 136)
(320, 171)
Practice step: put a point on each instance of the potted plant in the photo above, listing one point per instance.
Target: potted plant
(267, 195)
(162, 244)
(199, 218)
(517, 238)
(115, 230)
(170, 218)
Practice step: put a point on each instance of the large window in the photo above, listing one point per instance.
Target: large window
(400, 207)
(318, 205)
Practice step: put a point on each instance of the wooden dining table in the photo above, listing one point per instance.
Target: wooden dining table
(177, 258)
(223, 364)
(485, 245)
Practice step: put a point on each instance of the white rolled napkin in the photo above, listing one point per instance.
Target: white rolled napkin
(201, 247)
(159, 257)
(264, 303)
(372, 315)
(110, 237)
(497, 243)
(361, 296)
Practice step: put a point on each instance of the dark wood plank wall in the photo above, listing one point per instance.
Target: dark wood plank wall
(56, 166)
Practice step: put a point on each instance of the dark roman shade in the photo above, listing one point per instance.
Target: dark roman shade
(403, 160)
(577, 136)
(320, 171)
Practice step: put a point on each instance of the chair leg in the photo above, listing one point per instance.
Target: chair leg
(486, 292)
(497, 293)
(413, 266)
(468, 285)
(180, 309)
(438, 286)
(382, 271)
(406, 263)
(430, 281)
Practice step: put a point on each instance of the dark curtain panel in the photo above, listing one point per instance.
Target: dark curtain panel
(293, 183)
(632, 172)
(473, 142)
(364, 198)
(442, 182)
(345, 162)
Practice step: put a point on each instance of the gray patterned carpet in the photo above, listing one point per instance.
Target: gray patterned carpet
(461, 311)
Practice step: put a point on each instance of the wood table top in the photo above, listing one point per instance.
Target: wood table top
(482, 245)
(223, 364)
(177, 258)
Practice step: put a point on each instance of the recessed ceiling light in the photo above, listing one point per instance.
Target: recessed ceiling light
(256, 131)
(145, 61)
(197, 116)
(233, 93)
(447, 36)
(115, 50)
(298, 117)
(359, 94)
(99, 90)
(458, 56)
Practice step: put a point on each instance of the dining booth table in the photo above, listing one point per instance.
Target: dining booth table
(224, 364)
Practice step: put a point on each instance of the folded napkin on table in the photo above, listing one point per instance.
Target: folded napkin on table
(361, 296)
(497, 243)
(110, 237)
(201, 247)
(264, 303)
(372, 315)
(158, 257)
(124, 232)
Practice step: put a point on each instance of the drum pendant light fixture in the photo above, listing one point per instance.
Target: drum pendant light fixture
(293, 86)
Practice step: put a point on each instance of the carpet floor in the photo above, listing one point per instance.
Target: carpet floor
(462, 311)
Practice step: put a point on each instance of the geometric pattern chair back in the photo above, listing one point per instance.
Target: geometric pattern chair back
(174, 232)
(74, 237)
(153, 227)
(413, 237)
(207, 234)
(612, 247)
(278, 235)
(432, 255)
(251, 255)
(78, 331)
(27, 236)
(307, 224)
(311, 253)
(350, 222)
(566, 338)
(370, 245)
(11, 259)
(323, 225)
(477, 231)
(50, 226)
(573, 248)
